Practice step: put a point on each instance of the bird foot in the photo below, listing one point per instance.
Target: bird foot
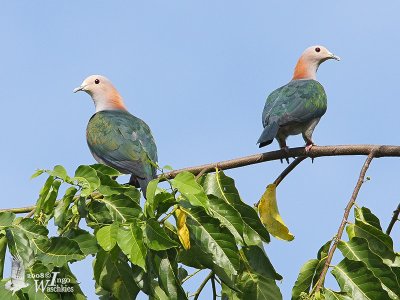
(286, 151)
(308, 148)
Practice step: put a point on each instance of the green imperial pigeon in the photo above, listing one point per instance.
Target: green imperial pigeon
(117, 138)
(297, 106)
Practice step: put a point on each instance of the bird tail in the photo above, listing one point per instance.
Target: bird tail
(143, 182)
(268, 135)
(140, 182)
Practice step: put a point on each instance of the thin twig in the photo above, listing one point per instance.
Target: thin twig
(202, 172)
(214, 289)
(285, 172)
(344, 220)
(203, 284)
(394, 219)
(168, 215)
(30, 214)
(289, 168)
(191, 275)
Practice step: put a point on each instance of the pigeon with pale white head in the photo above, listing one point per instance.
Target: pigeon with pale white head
(117, 138)
(297, 106)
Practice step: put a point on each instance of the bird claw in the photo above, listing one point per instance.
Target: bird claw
(308, 148)
(286, 151)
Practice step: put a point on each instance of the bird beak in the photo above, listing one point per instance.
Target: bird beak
(333, 56)
(79, 88)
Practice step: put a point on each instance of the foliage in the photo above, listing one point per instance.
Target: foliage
(186, 224)
(370, 268)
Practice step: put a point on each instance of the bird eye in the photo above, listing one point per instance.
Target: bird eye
(318, 49)
(97, 81)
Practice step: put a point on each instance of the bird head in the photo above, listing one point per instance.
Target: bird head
(105, 96)
(310, 60)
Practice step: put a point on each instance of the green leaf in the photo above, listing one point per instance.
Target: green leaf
(157, 292)
(169, 281)
(167, 167)
(195, 258)
(130, 240)
(60, 211)
(37, 173)
(186, 184)
(87, 178)
(259, 287)
(3, 248)
(364, 214)
(47, 198)
(228, 294)
(114, 275)
(107, 236)
(379, 242)
(19, 246)
(223, 187)
(149, 206)
(213, 239)
(98, 213)
(106, 170)
(6, 219)
(310, 272)
(31, 228)
(350, 231)
(47, 206)
(182, 273)
(304, 279)
(122, 208)
(60, 172)
(156, 238)
(163, 201)
(322, 257)
(228, 216)
(357, 249)
(87, 242)
(199, 259)
(259, 262)
(66, 273)
(355, 279)
(58, 251)
(332, 295)
(37, 269)
(110, 187)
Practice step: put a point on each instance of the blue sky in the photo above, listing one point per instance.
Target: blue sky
(198, 73)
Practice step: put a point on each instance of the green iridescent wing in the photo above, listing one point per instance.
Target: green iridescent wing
(122, 141)
(299, 101)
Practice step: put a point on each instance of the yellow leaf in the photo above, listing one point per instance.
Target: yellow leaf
(183, 231)
(270, 217)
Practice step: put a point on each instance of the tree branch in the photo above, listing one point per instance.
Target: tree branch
(316, 151)
(394, 219)
(345, 217)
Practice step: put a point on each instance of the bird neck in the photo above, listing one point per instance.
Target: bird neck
(112, 101)
(305, 69)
